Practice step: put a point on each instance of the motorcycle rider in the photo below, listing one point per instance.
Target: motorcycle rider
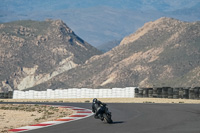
(97, 108)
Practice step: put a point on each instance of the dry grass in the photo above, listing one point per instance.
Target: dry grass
(13, 115)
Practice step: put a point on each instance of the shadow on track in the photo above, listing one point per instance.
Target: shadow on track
(117, 122)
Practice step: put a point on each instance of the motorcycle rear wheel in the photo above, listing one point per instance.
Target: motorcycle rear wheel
(107, 118)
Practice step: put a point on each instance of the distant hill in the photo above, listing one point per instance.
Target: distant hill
(99, 21)
(108, 46)
(164, 52)
(32, 52)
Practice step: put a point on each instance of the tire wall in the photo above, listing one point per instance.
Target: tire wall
(168, 92)
(6, 95)
(156, 92)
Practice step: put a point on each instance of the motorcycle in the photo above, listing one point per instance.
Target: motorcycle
(104, 114)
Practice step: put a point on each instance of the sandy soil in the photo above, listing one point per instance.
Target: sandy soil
(13, 116)
(109, 100)
(11, 119)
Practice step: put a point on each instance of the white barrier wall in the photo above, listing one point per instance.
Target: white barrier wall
(76, 93)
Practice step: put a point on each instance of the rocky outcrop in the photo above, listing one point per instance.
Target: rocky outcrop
(33, 52)
(31, 79)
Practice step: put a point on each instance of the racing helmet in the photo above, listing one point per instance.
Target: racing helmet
(94, 100)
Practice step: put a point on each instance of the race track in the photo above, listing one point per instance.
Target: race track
(134, 118)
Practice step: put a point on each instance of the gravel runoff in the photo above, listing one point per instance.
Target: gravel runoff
(14, 115)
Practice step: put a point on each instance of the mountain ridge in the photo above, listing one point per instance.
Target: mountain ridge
(32, 52)
(93, 20)
(164, 52)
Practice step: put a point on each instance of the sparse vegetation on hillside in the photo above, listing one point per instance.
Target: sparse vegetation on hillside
(36, 51)
(161, 53)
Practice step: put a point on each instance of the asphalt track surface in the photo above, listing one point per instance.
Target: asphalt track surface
(134, 118)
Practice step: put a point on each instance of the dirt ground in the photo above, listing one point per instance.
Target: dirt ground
(109, 100)
(13, 116)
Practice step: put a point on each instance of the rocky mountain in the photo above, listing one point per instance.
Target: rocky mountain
(164, 52)
(33, 52)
